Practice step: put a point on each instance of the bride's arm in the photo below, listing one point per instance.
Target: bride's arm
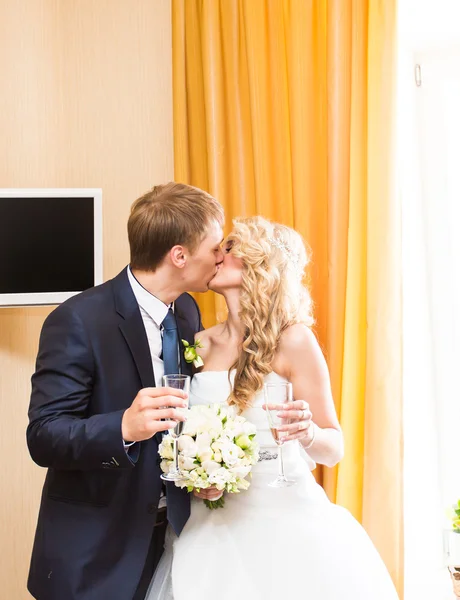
(301, 361)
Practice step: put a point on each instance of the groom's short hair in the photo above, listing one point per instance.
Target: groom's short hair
(166, 216)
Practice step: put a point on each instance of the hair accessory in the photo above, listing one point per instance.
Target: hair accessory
(277, 241)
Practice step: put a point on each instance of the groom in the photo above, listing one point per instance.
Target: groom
(96, 404)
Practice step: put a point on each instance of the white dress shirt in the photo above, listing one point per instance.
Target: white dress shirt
(153, 312)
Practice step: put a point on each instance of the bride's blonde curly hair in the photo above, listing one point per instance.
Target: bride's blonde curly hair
(273, 297)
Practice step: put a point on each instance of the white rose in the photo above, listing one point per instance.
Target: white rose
(224, 443)
(211, 419)
(165, 449)
(203, 441)
(202, 420)
(165, 465)
(214, 433)
(186, 463)
(204, 454)
(187, 446)
(193, 423)
(210, 466)
(230, 454)
(233, 429)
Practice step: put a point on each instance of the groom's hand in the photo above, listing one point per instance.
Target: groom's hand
(143, 419)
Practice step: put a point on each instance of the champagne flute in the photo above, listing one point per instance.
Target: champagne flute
(277, 394)
(180, 382)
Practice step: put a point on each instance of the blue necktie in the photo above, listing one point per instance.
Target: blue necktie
(170, 344)
(178, 503)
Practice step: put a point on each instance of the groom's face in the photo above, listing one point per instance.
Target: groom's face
(203, 264)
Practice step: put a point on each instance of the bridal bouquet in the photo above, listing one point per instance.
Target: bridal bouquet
(217, 448)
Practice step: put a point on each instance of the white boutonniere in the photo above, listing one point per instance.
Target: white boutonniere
(191, 355)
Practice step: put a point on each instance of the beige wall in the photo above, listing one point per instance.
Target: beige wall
(85, 101)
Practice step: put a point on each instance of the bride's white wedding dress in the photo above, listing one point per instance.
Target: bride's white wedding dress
(269, 543)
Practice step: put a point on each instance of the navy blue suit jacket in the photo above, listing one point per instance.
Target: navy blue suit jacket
(99, 504)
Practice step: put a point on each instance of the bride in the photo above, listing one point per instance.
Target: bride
(270, 543)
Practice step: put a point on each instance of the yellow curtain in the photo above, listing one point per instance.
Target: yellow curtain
(284, 108)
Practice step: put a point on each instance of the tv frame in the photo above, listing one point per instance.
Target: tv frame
(53, 298)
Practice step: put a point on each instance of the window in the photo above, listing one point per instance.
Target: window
(429, 169)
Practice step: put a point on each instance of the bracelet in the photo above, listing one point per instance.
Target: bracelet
(311, 442)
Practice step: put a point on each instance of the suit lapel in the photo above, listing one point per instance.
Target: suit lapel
(132, 328)
(133, 331)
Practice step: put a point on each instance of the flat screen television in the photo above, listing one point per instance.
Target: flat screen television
(50, 244)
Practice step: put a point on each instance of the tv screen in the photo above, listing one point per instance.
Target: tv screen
(50, 244)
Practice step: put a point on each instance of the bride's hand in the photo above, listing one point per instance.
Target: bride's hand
(211, 493)
(299, 424)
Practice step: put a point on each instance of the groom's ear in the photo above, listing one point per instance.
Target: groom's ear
(178, 256)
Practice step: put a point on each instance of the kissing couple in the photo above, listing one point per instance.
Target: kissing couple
(109, 528)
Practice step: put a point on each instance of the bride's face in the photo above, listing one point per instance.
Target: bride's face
(229, 273)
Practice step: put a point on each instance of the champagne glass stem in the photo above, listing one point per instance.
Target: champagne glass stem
(280, 463)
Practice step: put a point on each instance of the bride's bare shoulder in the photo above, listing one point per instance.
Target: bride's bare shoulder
(298, 344)
(297, 337)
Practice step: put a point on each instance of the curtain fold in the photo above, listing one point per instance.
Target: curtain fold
(285, 109)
